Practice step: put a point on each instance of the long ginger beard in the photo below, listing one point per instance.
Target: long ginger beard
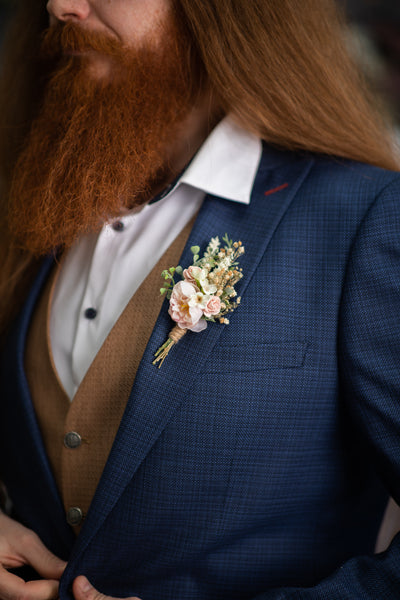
(99, 145)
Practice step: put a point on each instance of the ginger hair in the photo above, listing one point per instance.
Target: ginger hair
(281, 67)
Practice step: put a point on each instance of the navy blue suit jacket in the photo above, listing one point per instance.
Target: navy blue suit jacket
(256, 463)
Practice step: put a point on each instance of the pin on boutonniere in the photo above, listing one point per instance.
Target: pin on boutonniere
(206, 291)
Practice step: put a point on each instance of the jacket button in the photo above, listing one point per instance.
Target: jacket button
(72, 440)
(74, 516)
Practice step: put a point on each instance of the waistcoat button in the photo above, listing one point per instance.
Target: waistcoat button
(72, 440)
(74, 516)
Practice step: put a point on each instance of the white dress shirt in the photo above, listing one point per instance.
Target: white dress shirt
(102, 271)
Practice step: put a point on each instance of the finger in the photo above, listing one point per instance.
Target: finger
(13, 587)
(41, 559)
(83, 590)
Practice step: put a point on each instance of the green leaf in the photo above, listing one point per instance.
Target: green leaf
(179, 270)
(195, 249)
(162, 291)
(227, 241)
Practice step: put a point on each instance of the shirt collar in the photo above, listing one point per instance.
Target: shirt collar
(226, 164)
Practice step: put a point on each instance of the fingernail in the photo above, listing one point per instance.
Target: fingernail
(84, 585)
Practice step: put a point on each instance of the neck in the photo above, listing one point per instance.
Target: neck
(191, 134)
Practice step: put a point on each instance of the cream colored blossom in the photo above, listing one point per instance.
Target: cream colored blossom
(186, 316)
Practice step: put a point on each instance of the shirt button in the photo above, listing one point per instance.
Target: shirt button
(72, 440)
(118, 226)
(74, 516)
(90, 313)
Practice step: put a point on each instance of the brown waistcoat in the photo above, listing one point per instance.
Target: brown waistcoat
(100, 401)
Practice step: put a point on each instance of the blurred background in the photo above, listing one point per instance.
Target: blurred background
(5, 9)
(375, 33)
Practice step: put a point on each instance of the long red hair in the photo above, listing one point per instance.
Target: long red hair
(283, 68)
(280, 66)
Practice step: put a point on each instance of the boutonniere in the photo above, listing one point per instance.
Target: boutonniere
(205, 292)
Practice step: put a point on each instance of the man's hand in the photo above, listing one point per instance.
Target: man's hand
(20, 546)
(83, 590)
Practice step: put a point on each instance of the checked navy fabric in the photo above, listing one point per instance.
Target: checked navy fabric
(257, 463)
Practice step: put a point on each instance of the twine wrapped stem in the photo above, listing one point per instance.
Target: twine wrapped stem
(174, 336)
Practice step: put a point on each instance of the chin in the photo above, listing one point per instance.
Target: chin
(98, 67)
(101, 72)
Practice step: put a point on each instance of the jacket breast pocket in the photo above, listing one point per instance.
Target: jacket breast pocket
(256, 357)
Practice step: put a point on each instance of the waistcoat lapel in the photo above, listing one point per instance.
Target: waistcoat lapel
(97, 408)
(157, 393)
(50, 402)
(28, 475)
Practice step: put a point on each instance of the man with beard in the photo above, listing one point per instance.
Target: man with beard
(258, 459)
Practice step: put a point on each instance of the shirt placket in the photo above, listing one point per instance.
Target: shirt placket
(93, 309)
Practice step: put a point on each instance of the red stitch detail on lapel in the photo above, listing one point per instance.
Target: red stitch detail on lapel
(277, 189)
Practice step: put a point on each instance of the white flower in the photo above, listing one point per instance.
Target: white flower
(197, 300)
(212, 247)
(199, 277)
(206, 286)
(225, 264)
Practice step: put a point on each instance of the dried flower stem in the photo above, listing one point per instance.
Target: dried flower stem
(174, 336)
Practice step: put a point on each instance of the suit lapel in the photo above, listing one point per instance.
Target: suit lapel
(157, 393)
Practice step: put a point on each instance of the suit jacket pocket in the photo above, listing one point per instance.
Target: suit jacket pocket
(256, 357)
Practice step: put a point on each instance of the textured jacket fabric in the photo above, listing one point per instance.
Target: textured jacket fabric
(257, 462)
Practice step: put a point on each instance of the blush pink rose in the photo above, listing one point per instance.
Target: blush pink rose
(213, 306)
(192, 273)
(187, 317)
